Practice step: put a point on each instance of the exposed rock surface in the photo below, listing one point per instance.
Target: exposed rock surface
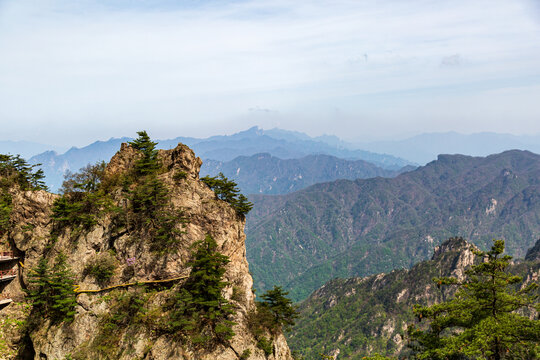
(30, 237)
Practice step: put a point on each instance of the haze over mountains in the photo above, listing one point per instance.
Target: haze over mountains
(26, 149)
(279, 143)
(282, 144)
(362, 227)
(266, 174)
(321, 213)
(424, 148)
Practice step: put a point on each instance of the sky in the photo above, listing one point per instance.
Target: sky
(76, 71)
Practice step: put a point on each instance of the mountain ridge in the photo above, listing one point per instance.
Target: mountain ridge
(219, 148)
(266, 174)
(326, 230)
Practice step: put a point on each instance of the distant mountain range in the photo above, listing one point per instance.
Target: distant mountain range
(356, 228)
(267, 174)
(357, 317)
(424, 148)
(26, 149)
(284, 144)
(279, 143)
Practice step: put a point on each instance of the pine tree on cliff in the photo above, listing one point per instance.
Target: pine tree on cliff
(149, 163)
(281, 308)
(200, 306)
(51, 290)
(227, 190)
(481, 321)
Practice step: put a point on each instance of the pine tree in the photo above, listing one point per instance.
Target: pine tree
(280, 307)
(482, 320)
(226, 190)
(39, 291)
(149, 163)
(200, 303)
(63, 298)
(51, 290)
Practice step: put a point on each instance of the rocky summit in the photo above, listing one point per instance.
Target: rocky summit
(134, 288)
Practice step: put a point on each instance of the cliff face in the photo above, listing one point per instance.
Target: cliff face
(34, 235)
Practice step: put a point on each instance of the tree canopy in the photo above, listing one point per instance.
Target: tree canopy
(226, 190)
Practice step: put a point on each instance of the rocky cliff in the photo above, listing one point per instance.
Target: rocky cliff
(108, 243)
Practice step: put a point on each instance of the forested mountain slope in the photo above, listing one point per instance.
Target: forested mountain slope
(356, 228)
(266, 174)
(361, 316)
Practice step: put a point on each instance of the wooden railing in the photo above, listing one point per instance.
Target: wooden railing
(9, 254)
(8, 273)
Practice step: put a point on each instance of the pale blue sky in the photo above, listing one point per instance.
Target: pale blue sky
(72, 72)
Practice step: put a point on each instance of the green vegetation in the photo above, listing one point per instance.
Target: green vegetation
(274, 314)
(265, 345)
(50, 290)
(199, 309)
(364, 316)
(101, 267)
(126, 311)
(149, 163)
(226, 190)
(153, 216)
(325, 231)
(482, 320)
(179, 175)
(146, 211)
(279, 309)
(15, 171)
(85, 198)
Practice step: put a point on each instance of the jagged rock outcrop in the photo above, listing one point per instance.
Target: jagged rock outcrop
(33, 235)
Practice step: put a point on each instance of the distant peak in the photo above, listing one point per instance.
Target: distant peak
(455, 244)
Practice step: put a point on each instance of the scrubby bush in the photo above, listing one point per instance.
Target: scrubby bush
(101, 267)
(83, 198)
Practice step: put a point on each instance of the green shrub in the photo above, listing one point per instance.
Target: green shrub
(84, 198)
(5, 210)
(127, 308)
(179, 175)
(245, 355)
(101, 267)
(265, 345)
(15, 171)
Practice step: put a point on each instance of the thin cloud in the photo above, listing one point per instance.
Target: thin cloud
(107, 70)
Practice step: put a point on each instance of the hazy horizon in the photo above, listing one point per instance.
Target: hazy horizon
(76, 72)
(61, 148)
